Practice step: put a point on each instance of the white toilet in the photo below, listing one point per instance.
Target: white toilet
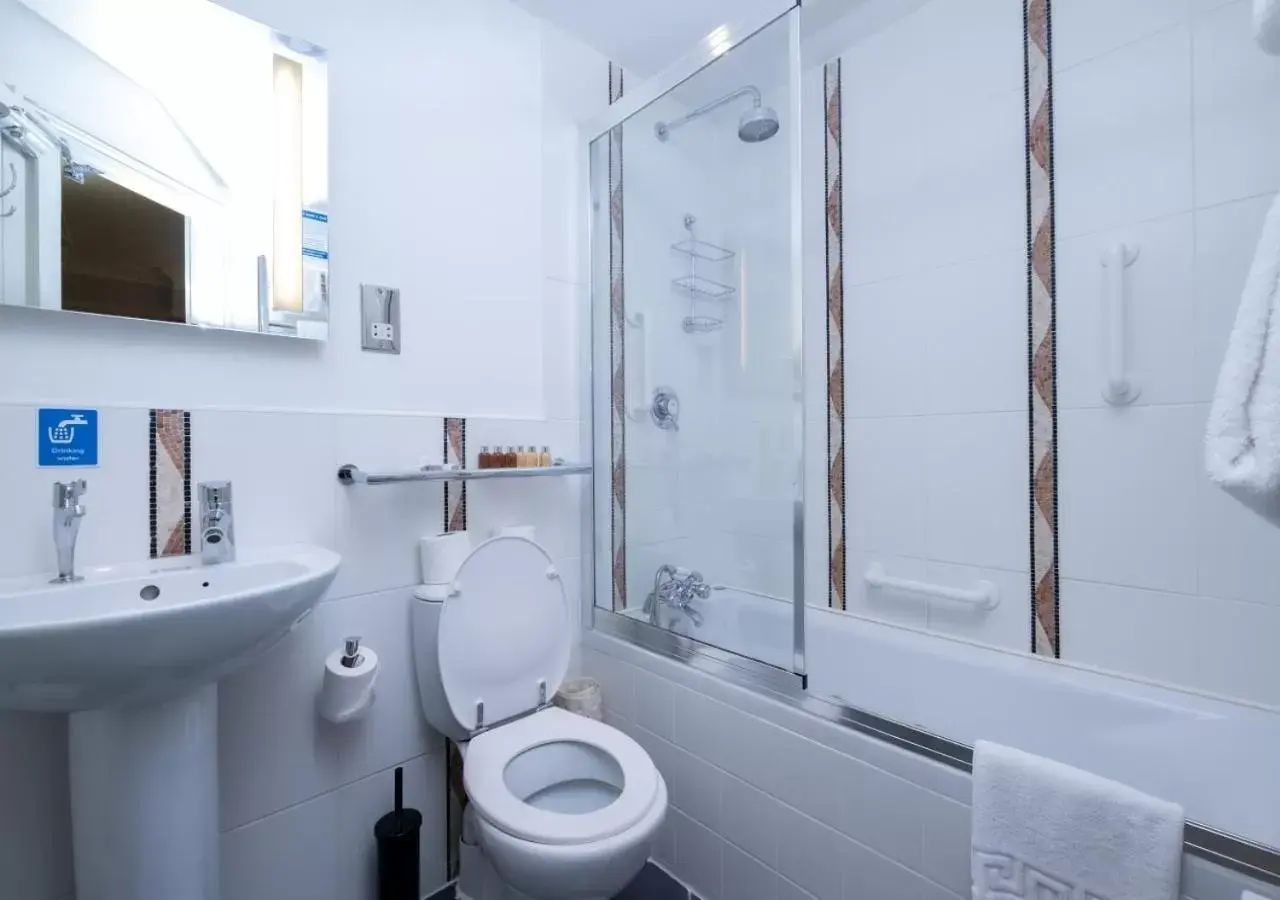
(565, 807)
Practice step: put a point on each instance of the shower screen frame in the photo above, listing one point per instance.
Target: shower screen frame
(744, 669)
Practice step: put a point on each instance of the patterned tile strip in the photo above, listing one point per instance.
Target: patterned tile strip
(170, 482)
(455, 495)
(1041, 319)
(833, 169)
(455, 519)
(617, 331)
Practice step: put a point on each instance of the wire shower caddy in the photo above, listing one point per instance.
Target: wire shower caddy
(698, 288)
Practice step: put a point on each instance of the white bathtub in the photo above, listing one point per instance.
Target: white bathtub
(1220, 759)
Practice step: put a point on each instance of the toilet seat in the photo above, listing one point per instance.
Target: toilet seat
(490, 753)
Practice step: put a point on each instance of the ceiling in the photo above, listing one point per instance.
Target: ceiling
(645, 36)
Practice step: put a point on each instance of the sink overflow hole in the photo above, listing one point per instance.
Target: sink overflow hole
(150, 592)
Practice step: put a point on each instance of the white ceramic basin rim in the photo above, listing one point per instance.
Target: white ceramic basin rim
(146, 632)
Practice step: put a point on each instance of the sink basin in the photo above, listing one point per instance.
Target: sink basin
(143, 633)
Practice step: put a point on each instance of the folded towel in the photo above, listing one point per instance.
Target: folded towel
(1266, 25)
(1045, 830)
(1242, 443)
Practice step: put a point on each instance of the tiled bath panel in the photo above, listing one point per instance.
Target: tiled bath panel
(771, 803)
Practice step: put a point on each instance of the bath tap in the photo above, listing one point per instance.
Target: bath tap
(67, 513)
(676, 588)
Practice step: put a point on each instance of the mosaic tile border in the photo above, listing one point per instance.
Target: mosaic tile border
(833, 171)
(169, 481)
(1042, 360)
(617, 355)
(455, 454)
(454, 438)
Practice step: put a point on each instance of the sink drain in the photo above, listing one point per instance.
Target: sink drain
(150, 592)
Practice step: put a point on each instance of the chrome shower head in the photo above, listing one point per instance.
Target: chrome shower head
(758, 124)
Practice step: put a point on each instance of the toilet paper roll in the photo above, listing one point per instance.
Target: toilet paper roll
(347, 693)
(441, 555)
(523, 531)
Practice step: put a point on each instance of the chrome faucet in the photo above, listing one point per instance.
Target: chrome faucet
(217, 525)
(676, 588)
(67, 513)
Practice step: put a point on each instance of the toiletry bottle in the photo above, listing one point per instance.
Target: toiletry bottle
(522, 457)
(509, 458)
(485, 459)
(544, 458)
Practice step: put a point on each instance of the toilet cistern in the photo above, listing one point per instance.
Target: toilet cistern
(67, 513)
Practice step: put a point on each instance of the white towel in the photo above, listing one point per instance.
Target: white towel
(1045, 830)
(1242, 443)
(1266, 25)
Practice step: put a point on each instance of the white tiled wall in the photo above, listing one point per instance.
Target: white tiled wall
(1164, 112)
(1163, 128)
(935, 313)
(478, 224)
(771, 803)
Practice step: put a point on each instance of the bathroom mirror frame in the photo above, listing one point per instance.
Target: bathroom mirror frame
(198, 184)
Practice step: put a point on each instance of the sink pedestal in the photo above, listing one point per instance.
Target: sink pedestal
(144, 800)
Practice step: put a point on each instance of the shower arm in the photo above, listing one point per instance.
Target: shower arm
(663, 129)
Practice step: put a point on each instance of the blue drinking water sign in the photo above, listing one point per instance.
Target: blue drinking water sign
(67, 438)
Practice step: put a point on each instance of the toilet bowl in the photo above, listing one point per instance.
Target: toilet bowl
(564, 807)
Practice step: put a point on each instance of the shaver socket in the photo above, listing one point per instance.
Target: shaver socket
(380, 318)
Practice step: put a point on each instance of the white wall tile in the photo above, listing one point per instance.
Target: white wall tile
(617, 681)
(1222, 646)
(1136, 470)
(882, 320)
(1225, 242)
(880, 811)
(885, 493)
(698, 855)
(1160, 324)
(811, 854)
(1084, 29)
(1122, 131)
(788, 890)
(751, 819)
(976, 477)
(379, 527)
(746, 878)
(363, 802)
(274, 749)
(294, 853)
(946, 842)
(868, 874)
(1235, 108)
(282, 474)
(974, 330)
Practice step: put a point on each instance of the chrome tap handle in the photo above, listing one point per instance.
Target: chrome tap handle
(66, 495)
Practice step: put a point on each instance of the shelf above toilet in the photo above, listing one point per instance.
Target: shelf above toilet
(351, 474)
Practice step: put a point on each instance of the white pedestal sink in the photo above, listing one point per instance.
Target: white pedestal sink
(134, 653)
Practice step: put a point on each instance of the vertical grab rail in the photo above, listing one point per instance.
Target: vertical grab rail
(1119, 389)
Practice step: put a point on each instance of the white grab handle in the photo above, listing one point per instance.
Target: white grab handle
(985, 596)
(1119, 389)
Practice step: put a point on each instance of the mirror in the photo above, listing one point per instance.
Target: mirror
(163, 160)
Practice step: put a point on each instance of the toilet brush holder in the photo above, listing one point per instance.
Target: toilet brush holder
(397, 834)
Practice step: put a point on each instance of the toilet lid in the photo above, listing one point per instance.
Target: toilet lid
(503, 629)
